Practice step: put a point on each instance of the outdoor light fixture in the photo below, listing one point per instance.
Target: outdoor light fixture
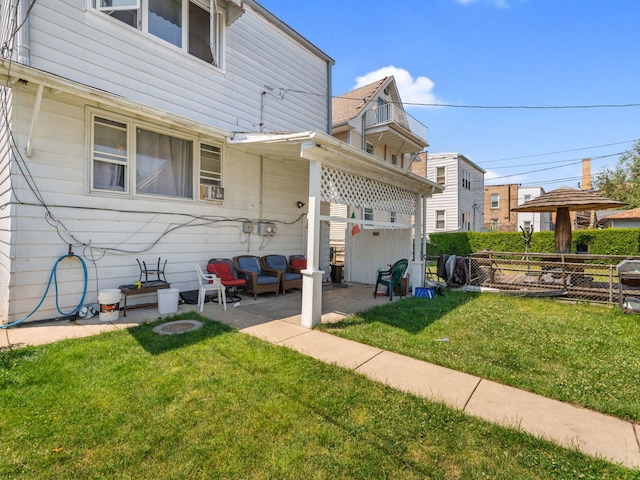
(300, 204)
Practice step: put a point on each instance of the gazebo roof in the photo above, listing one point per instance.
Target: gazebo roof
(571, 198)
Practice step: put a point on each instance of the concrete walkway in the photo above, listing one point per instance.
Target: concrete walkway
(277, 320)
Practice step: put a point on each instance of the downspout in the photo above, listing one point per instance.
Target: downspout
(329, 99)
(22, 47)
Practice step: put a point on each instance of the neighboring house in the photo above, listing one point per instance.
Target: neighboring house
(619, 219)
(372, 119)
(460, 207)
(138, 130)
(498, 202)
(532, 221)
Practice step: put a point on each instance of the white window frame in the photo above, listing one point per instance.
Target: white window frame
(494, 204)
(217, 24)
(441, 174)
(466, 221)
(129, 159)
(441, 217)
(466, 179)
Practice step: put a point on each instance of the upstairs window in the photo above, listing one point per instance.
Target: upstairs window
(195, 26)
(440, 219)
(466, 179)
(495, 200)
(440, 178)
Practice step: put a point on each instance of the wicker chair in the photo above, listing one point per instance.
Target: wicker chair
(258, 280)
(289, 277)
(297, 263)
(223, 268)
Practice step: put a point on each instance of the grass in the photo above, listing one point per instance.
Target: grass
(577, 353)
(214, 403)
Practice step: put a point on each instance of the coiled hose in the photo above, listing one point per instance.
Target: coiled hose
(53, 278)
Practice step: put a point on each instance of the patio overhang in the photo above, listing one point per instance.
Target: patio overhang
(332, 153)
(339, 173)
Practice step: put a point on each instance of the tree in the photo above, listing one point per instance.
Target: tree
(623, 182)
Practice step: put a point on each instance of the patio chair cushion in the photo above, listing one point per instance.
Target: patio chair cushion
(279, 262)
(224, 273)
(252, 264)
(299, 263)
(291, 276)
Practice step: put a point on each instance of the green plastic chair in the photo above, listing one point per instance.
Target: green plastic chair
(392, 277)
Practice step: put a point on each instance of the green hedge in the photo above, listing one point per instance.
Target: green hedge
(610, 241)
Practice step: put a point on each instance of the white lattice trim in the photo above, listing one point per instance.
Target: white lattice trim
(337, 186)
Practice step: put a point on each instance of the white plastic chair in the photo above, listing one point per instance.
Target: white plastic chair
(205, 286)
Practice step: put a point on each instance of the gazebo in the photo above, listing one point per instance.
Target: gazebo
(562, 201)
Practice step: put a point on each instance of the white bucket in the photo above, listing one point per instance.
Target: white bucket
(109, 301)
(168, 300)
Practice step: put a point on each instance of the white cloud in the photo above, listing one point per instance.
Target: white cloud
(412, 90)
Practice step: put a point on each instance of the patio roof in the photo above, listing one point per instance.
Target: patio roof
(333, 153)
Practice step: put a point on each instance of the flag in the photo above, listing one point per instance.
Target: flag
(356, 228)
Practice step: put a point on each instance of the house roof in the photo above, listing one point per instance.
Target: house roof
(349, 105)
(448, 155)
(632, 214)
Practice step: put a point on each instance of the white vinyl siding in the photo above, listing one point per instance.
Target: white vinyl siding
(87, 46)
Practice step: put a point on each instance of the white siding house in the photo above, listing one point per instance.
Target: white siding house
(372, 119)
(460, 207)
(138, 134)
(532, 221)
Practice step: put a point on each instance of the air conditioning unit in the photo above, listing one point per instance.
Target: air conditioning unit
(267, 229)
(211, 192)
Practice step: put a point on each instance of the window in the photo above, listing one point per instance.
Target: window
(439, 219)
(210, 172)
(440, 179)
(196, 26)
(128, 156)
(393, 217)
(495, 200)
(466, 222)
(367, 214)
(527, 197)
(394, 159)
(466, 179)
(370, 148)
(528, 226)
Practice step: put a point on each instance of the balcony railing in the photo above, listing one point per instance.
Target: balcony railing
(392, 113)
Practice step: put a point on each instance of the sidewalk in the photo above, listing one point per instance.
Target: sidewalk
(590, 432)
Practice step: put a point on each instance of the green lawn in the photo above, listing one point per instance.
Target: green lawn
(578, 353)
(215, 403)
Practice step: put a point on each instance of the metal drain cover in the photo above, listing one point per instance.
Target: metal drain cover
(177, 327)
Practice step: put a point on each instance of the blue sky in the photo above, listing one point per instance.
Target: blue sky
(495, 53)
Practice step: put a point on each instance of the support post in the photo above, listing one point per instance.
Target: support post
(416, 270)
(312, 276)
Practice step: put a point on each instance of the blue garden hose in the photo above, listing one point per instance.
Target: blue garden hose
(53, 277)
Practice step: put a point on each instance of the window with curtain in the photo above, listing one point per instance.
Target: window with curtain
(164, 165)
(196, 26)
(128, 157)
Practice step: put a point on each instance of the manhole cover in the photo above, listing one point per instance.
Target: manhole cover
(177, 327)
